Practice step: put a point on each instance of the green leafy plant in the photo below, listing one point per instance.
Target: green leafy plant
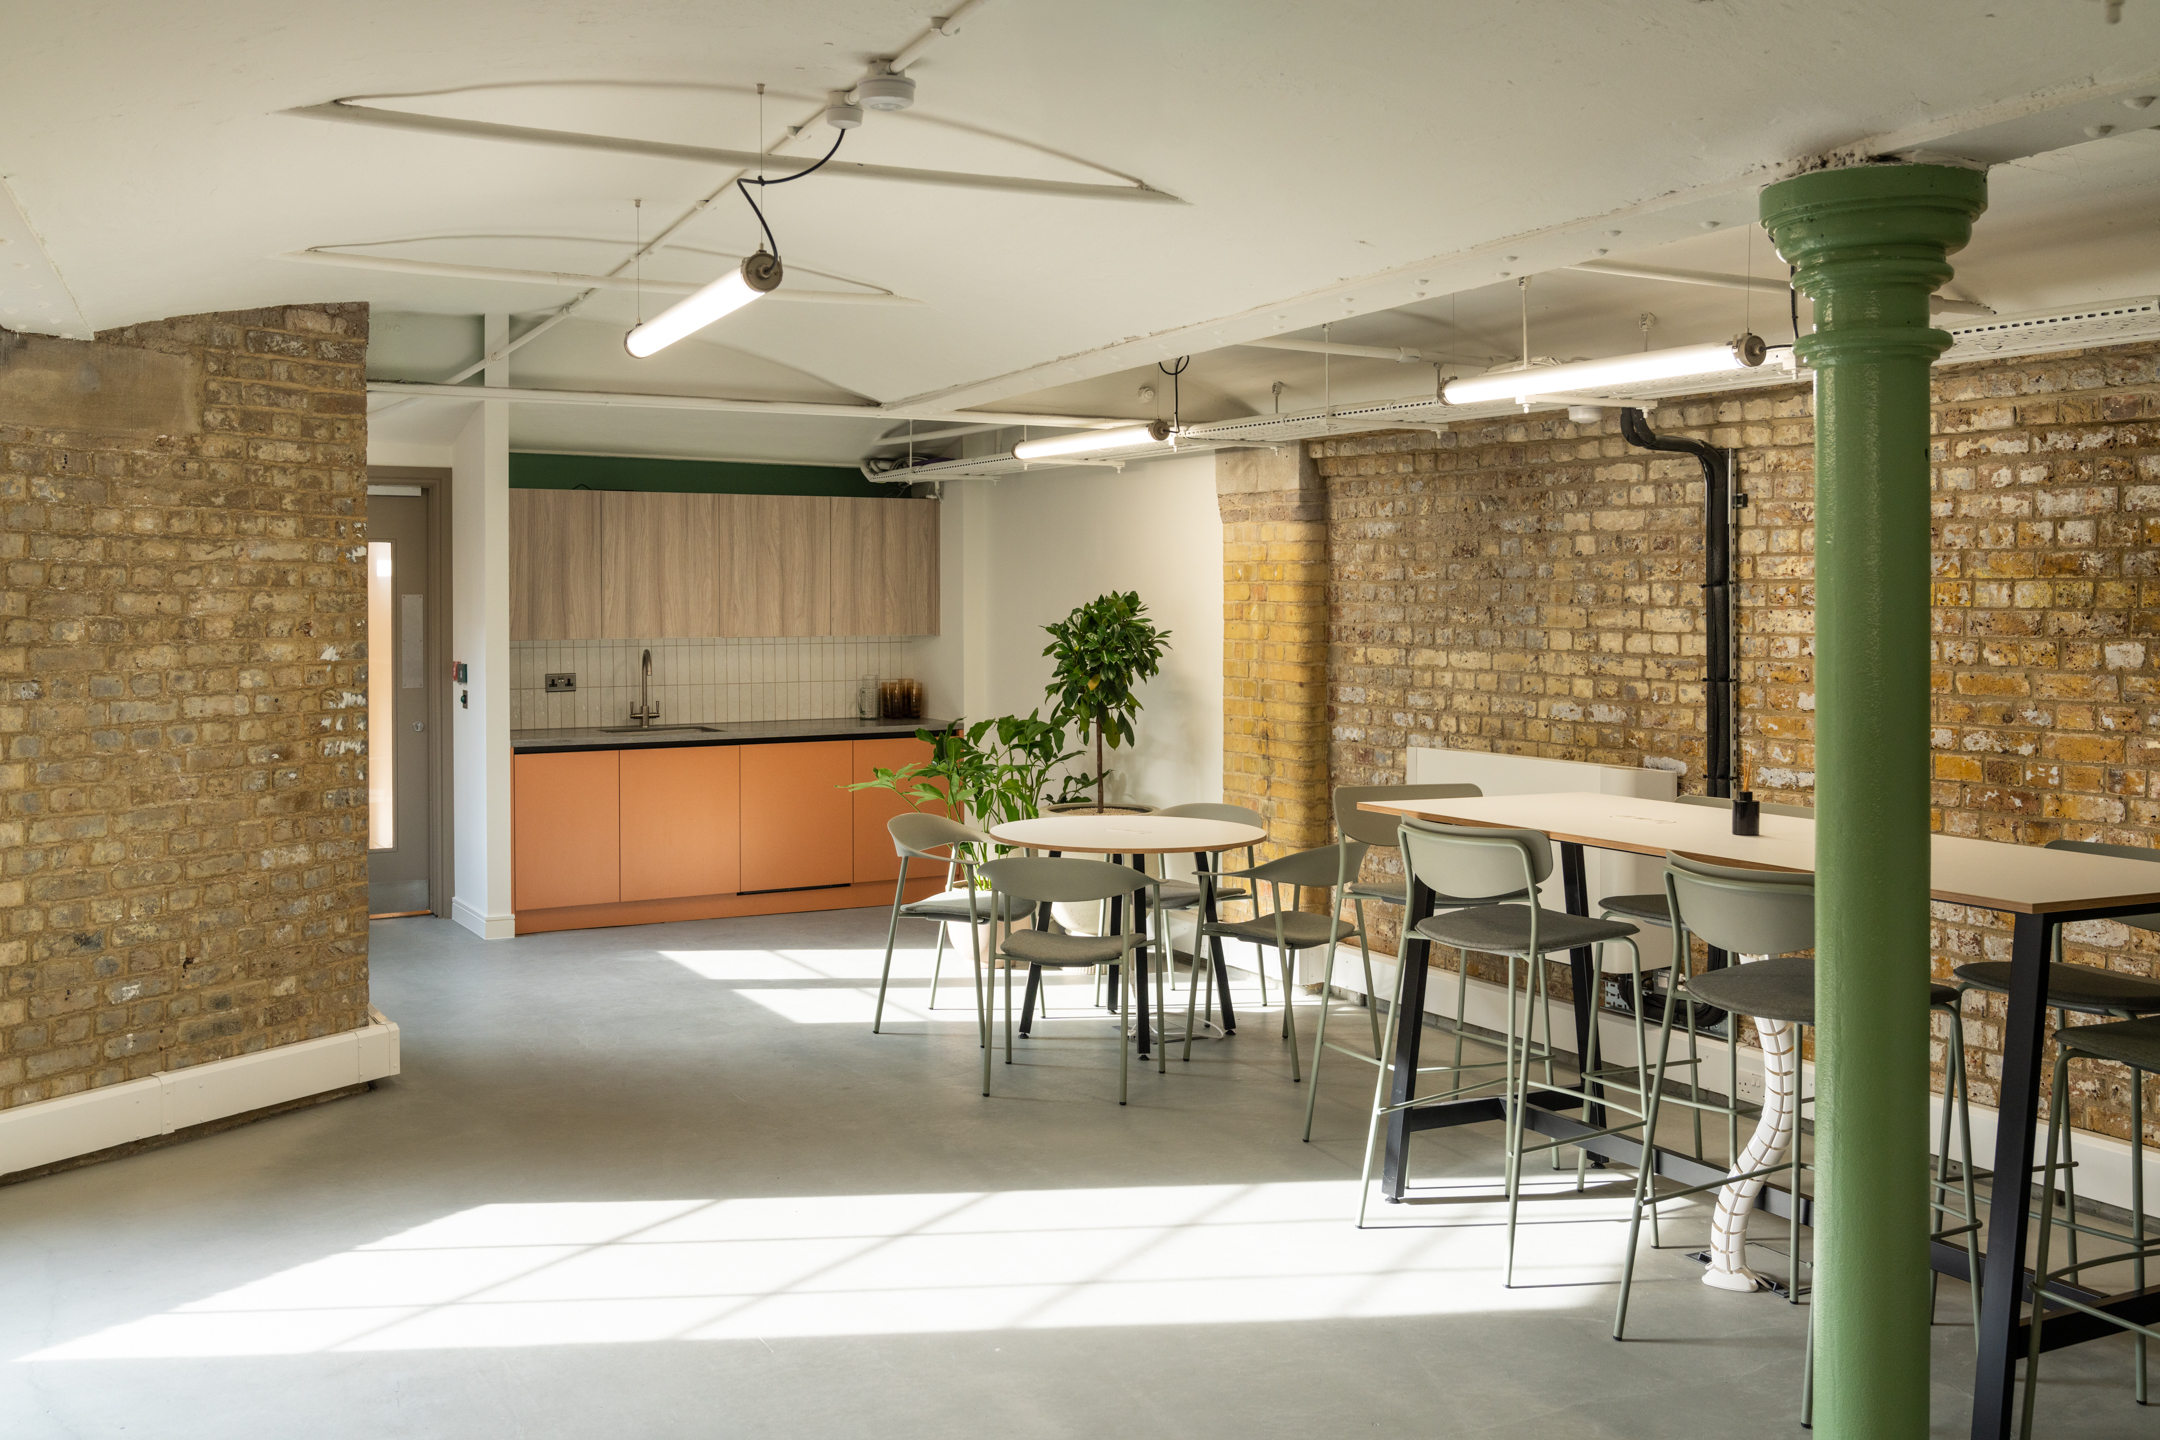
(992, 771)
(1103, 650)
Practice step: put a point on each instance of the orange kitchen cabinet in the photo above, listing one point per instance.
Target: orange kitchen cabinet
(681, 822)
(874, 855)
(565, 828)
(797, 819)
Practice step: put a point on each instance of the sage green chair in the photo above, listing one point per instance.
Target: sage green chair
(919, 836)
(1490, 864)
(1288, 928)
(1650, 908)
(2135, 1045)
(1378, 831)
(1018, 885)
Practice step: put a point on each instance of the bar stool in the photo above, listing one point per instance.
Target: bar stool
(1488, 862)
(2079, 990)
(1291, 930)
(1378, 831)
(915, 836)
(2134, 1044)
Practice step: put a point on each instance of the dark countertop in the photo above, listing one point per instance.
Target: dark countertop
(734, 732)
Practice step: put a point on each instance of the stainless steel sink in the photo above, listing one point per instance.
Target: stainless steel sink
(657, 729)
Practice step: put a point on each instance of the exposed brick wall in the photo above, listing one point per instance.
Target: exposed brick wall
(183, 845)
(1275, 645)
(1528, 586)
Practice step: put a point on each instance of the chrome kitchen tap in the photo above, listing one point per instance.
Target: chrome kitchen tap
(645, 712)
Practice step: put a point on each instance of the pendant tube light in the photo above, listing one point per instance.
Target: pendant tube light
(1743, 352)
(1092, 442)
(758, 274)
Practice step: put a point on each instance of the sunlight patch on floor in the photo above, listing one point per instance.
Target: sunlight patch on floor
(613, 1272)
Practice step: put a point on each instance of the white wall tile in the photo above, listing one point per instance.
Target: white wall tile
(697, 681)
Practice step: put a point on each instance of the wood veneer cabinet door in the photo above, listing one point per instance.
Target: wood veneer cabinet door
(797, 821)
(681, 822)
(565, 829)
(884, 567)
(777, 565)
(659, 565)
(555, 565)
(875, 858)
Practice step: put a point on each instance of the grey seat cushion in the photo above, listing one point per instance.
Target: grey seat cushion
(949, 906)
(1640, 907)
(1184, 894)
(1036, 947)
(2127, 1042)
(1780, 988)
(1941, 994)
(1300, 928)
(2071, 987)
(1505, 929)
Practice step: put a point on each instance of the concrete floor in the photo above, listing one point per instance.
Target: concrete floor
(663, 1182)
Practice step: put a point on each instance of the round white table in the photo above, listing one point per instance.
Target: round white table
(1112, 833)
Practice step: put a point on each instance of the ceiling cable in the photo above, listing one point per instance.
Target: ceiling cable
(637, 254)
(1183, 362)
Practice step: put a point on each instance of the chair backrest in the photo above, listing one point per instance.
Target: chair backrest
(1039, 879)
(1768, 807)
(916, 834)
(1376, 829)
(1320, 867)
(1742, 910)
(1474, 862)
(2150, 920)
(1234, 814)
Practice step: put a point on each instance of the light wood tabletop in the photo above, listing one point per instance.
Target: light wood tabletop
(1115, 834)
(2021, 879)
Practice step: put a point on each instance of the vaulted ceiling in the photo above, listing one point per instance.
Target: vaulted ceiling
(1389, 170)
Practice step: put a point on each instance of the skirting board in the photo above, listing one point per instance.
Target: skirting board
(82, 1124)
(487, 927)
(2103, 1160)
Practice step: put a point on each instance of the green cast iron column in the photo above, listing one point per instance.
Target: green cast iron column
(1871, 243)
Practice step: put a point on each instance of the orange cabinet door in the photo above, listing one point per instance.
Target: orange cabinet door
(681, 822)
(875, 858)
(565, 830)
(797, 821)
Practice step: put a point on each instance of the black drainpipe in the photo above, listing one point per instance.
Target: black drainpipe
(1717, 591)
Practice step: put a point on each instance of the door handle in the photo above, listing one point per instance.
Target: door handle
(416, 725)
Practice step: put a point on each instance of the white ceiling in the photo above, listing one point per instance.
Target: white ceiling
(1335, 162)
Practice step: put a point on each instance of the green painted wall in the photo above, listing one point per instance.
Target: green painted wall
(690, 477)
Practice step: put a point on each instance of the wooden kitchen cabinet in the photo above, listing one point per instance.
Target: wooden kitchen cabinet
(777, 570)
(797, 821)
(565, 825)
(681, 822)
(555, 585)
(659, 565)
(875, 858)
(884, 567)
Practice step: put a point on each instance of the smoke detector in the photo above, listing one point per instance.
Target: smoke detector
(885, 89)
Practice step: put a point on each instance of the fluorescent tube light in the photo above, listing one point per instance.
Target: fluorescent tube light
(1091, 442)
(1744, 352)
(758, 274)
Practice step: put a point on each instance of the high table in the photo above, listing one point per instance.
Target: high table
(1139, 836)
(2041, 889)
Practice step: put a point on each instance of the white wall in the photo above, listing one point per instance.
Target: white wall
(480, 637)
(1021, 552)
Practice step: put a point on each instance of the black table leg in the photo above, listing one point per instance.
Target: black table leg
(1027, 1002)
(2024, 1044)
(1582, 965)
(1409, 1032)
(1140, 965)
(1202, 862)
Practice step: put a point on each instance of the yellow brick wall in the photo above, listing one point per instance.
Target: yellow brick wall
(183, 848)
(1528, 586)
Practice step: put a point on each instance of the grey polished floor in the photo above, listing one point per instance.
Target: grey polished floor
(663, 1182)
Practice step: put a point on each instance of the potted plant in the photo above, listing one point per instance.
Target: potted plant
(991, 772)
(1103, 650)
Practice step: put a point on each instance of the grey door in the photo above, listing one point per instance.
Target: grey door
(401, 687)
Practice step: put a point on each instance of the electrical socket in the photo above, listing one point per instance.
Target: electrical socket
(561, 684)
(1751, 1086)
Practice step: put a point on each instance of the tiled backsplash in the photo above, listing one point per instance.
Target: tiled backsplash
(697, 681)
